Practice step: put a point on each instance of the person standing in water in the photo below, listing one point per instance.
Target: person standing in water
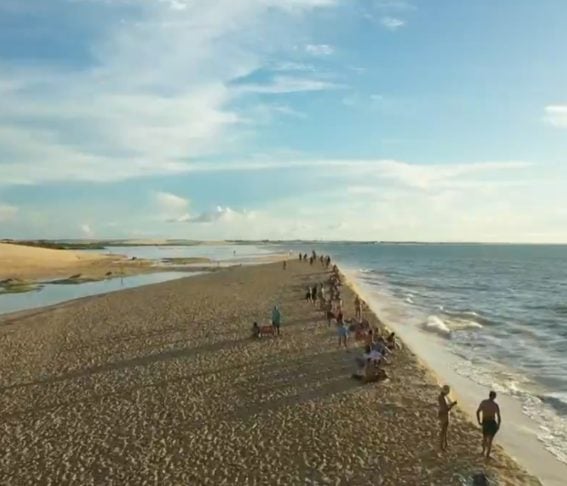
(445, 407)
(490, 422)
(276, 319)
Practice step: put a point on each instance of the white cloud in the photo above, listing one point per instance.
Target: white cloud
(86, 230)
(289, 84)
(292, 66)
(7, 212)
(171, 207)
(157, 95)
(171, 202)
(319, 49)
(222, 214)
(392, 23)
(556, 115)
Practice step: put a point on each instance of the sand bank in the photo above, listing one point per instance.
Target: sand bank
(162, 384)
(28, 263)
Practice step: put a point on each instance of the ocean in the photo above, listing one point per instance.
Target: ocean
(500, 310)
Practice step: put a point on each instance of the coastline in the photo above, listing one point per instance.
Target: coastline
(143, 366)
(519, 433)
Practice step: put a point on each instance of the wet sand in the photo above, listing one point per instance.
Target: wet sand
(162, 385)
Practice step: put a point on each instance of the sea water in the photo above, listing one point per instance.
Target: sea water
(500, 310)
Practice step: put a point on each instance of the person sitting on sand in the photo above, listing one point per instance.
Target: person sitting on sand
(392, 342)
(370, 372)
(443, 413)
(380, 346)
(276, 319)
(490, 423)
(255, 330)
(371, 354)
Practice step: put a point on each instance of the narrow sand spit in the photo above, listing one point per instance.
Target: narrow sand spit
(162, 385)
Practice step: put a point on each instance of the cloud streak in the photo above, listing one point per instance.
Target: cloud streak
(392, 23)
(556, 115)
(319, 49)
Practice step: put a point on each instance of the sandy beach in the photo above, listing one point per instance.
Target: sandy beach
(163, 385)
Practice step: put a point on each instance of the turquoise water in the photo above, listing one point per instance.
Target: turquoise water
(501, 309)
(50, 294)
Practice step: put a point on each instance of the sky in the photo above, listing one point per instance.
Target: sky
(421, 120)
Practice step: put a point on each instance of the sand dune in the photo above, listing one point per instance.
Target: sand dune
(29, 263)
(162, 385)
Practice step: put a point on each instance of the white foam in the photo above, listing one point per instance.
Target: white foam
(523, 436)
(436, 325)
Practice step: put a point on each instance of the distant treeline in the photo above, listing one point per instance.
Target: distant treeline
(57, 245)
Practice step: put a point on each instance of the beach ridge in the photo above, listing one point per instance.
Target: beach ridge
(164, 382)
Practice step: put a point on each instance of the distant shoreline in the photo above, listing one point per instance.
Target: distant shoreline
(90, 244)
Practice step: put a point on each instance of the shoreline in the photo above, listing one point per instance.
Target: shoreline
(125, 361)
(519, 434)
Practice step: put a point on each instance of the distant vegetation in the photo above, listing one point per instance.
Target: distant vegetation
(58, 245)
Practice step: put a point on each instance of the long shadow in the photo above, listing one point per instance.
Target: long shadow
(319, 377)
(124, 338)
(126, 393)
(131, 363)
(270, 369)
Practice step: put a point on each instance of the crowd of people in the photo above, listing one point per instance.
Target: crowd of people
(378, 350)
(326, 296)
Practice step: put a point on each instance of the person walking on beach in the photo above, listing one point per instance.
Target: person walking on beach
(314, 294)
(358, 309)
(285, 264)
(445, 407)
(276, 319)
(308, 295)
(490, 422)
(342, 331)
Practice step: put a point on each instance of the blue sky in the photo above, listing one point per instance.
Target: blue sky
(332, 119)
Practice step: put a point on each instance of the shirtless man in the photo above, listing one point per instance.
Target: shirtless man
(490, 422)
(444, 409)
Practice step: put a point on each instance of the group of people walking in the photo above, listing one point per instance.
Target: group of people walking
(325, 261)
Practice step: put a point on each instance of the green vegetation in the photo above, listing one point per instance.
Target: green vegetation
(57, 245)
(186, 261)
(13, 286)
